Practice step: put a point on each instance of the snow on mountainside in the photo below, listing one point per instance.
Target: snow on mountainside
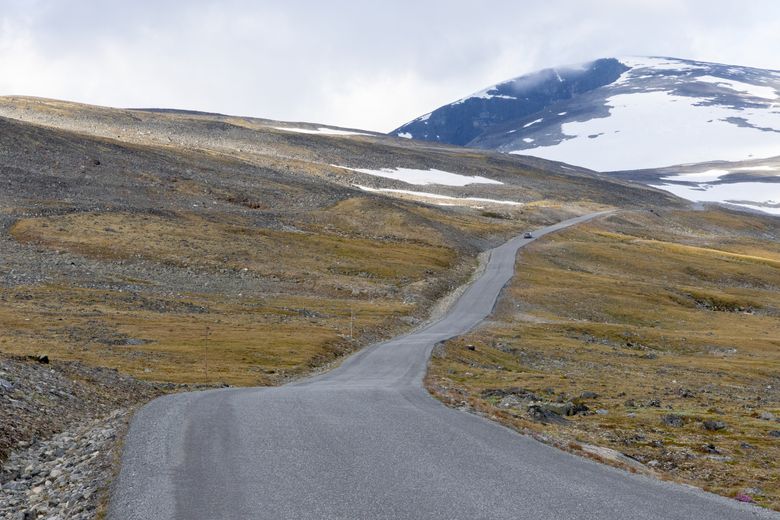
(619, 114)
(628, 114)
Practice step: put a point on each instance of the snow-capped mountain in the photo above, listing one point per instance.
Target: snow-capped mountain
(619, 114)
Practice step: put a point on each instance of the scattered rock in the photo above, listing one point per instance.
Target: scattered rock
(673, 420)
(654, 403)
(602, 411)
(471, 347)
(62, 477)
(518, 392)
(580, 408)
(766, 416)
(561, 409)
(714, 426)
(510, 401)
(43, 359)
(589, 395)
(539, 414)
(614, 455)
(56, 415)
(774, 433)
(686, 393)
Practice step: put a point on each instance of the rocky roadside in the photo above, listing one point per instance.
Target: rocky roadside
(65, 477)
(61, 426)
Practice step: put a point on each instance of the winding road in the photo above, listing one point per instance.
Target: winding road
(366, 441)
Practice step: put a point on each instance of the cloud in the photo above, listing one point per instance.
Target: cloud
(353, 64)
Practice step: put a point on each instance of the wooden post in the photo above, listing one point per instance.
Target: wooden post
(205, 352)
(351, 321)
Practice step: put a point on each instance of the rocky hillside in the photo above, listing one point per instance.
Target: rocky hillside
(204, 248)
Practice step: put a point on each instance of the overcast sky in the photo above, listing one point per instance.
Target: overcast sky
(363, 64)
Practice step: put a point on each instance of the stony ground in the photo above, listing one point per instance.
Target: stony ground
(65, 477)
(60, 426)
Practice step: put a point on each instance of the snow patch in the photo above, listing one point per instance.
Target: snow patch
(760, 196)
(484, 94)
(758, 91)
(533, 123)
(657, 63)
(405, 135)
(321, 130)
(452, 201)
(528, 140)
(756, 169)
(706, 176)
(424, 177)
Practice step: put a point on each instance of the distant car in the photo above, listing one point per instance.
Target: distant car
(528, 235)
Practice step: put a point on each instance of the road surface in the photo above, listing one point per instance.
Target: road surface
(366, 441)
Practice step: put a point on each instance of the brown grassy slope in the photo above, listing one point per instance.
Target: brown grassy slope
(670, 320)
(200, 248)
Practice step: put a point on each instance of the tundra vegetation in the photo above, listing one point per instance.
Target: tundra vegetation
(656, 335)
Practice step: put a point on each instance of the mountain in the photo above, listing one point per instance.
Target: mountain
(619, 114)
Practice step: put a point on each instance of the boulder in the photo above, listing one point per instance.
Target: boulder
(714, 426)
(561, 409)
(673, 420)
(5, 385)
(540, 414)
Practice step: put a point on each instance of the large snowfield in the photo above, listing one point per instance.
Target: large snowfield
(656, 129)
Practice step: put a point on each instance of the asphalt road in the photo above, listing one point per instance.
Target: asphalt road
(366, 441)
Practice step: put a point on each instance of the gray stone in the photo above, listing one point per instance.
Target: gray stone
(561, 409)
(714, 425)
(673, 420)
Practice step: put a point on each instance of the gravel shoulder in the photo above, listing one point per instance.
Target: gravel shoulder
(61, 425)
